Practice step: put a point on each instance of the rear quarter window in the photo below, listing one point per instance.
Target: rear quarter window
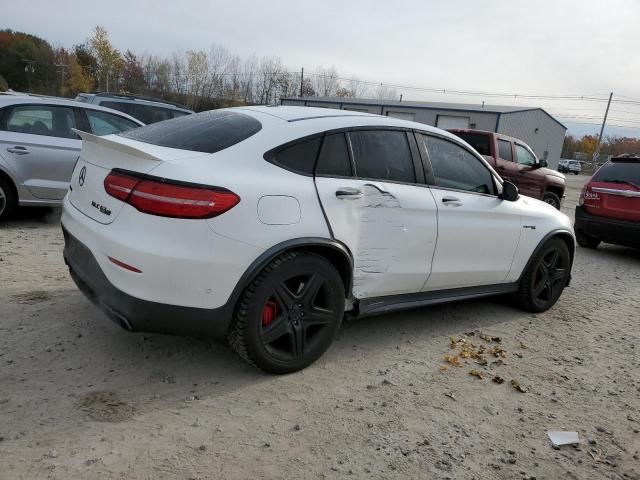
(479, 141)
(299, 157)
(207, 132)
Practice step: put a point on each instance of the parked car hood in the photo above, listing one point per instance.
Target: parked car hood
(553, 173)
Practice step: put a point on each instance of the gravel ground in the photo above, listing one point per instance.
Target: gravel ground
(80, 398)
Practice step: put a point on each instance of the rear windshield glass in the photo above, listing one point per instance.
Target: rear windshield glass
(477, 140)
(619, 172)
(207, 132)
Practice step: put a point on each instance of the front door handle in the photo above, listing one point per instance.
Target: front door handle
(18, 150)
(451, 201)
(348, 193)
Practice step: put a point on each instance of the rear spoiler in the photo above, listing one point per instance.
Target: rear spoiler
(112, 144)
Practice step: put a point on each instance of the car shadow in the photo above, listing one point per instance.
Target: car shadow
(33, 217)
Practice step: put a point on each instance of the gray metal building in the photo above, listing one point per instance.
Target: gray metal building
(543, 133)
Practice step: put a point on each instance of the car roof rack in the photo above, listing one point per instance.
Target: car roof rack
(138, 97)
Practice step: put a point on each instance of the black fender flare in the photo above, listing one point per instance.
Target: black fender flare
(308, 243)
(559, 232)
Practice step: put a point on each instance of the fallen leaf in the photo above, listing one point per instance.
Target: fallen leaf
(523, 346)
(481, 360)
(497, 352)
(444, 368)
(476, 373)
(490, 338)
(453, 360)
(519, 355)
(497, 379)
(450, 395)
(515, 384)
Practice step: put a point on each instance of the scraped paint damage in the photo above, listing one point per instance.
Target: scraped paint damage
(379, 227)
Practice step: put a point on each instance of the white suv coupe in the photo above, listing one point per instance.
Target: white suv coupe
(264, 225)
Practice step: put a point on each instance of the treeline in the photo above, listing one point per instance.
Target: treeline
(201, 79)
(610, 146)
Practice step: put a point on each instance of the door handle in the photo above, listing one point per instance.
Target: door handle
(451, 201)
(349, 193)
(18, 150)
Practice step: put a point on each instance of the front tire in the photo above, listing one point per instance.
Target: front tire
(8, 199)
(545, 278)
(552, 199)
(290, 313)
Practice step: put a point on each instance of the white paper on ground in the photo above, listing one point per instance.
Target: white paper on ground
(563, 438)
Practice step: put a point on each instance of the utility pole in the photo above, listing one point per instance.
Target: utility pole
(301, 81)
(61, 66)
(29, 69)
(596, 154)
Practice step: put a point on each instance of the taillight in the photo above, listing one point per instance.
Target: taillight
(581, 199)
(169, 199)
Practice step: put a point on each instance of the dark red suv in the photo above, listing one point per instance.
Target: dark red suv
(609, 206)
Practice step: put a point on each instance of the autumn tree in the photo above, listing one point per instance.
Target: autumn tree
(133, 78)
(108, 59)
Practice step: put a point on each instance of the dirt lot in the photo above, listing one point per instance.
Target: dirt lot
(80, 398)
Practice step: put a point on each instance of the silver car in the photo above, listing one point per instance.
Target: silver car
(38, 148)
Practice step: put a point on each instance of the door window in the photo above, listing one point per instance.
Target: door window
(52, 121)
(504, 150)
(382, 155)
(525, 157)
(454, 167)
(334, 157)
(103, 123)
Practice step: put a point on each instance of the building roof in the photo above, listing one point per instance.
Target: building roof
(466, 107)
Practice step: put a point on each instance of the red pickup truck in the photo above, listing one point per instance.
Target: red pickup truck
(516, 162)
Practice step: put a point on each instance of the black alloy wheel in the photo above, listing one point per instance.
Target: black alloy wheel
(545, 278)
(290, 314)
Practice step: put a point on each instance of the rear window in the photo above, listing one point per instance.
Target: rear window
(619, 171)
(478, 141)
(207, 132)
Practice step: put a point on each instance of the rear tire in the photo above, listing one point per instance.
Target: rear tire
(545, 278)
(552, 199)
(290, 313)
(586, 241)
(8, 198)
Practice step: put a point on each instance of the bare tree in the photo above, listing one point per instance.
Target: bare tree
(326, 81)
(385, 93)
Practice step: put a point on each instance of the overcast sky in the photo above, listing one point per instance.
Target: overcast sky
(542, 47)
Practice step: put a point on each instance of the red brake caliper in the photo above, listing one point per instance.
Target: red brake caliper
(269, 312)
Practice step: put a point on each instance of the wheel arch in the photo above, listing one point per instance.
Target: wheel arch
(565, 235)
(557, 189)
(334, 251)
(12, 183)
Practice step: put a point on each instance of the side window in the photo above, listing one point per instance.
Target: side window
(454, 167)
(299, 157)
(504, 150)
(524, 156)
(103, 123)
(383, 155)
(334, 157)
(120, 106)
(48, 120)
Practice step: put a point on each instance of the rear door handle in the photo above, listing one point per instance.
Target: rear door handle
(18, 150)
(451, 201)
(349, 193)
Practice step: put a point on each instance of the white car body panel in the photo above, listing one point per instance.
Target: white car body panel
(402, 241)
(391, 230)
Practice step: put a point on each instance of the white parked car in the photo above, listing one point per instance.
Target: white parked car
(569, 166)
(263, 225)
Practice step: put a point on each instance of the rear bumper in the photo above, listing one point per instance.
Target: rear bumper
(135, 314)
(618, 232)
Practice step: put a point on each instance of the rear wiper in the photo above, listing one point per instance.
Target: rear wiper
(626, 182)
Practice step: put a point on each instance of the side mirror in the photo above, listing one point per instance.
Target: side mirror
(543, 163)
(510, 192)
